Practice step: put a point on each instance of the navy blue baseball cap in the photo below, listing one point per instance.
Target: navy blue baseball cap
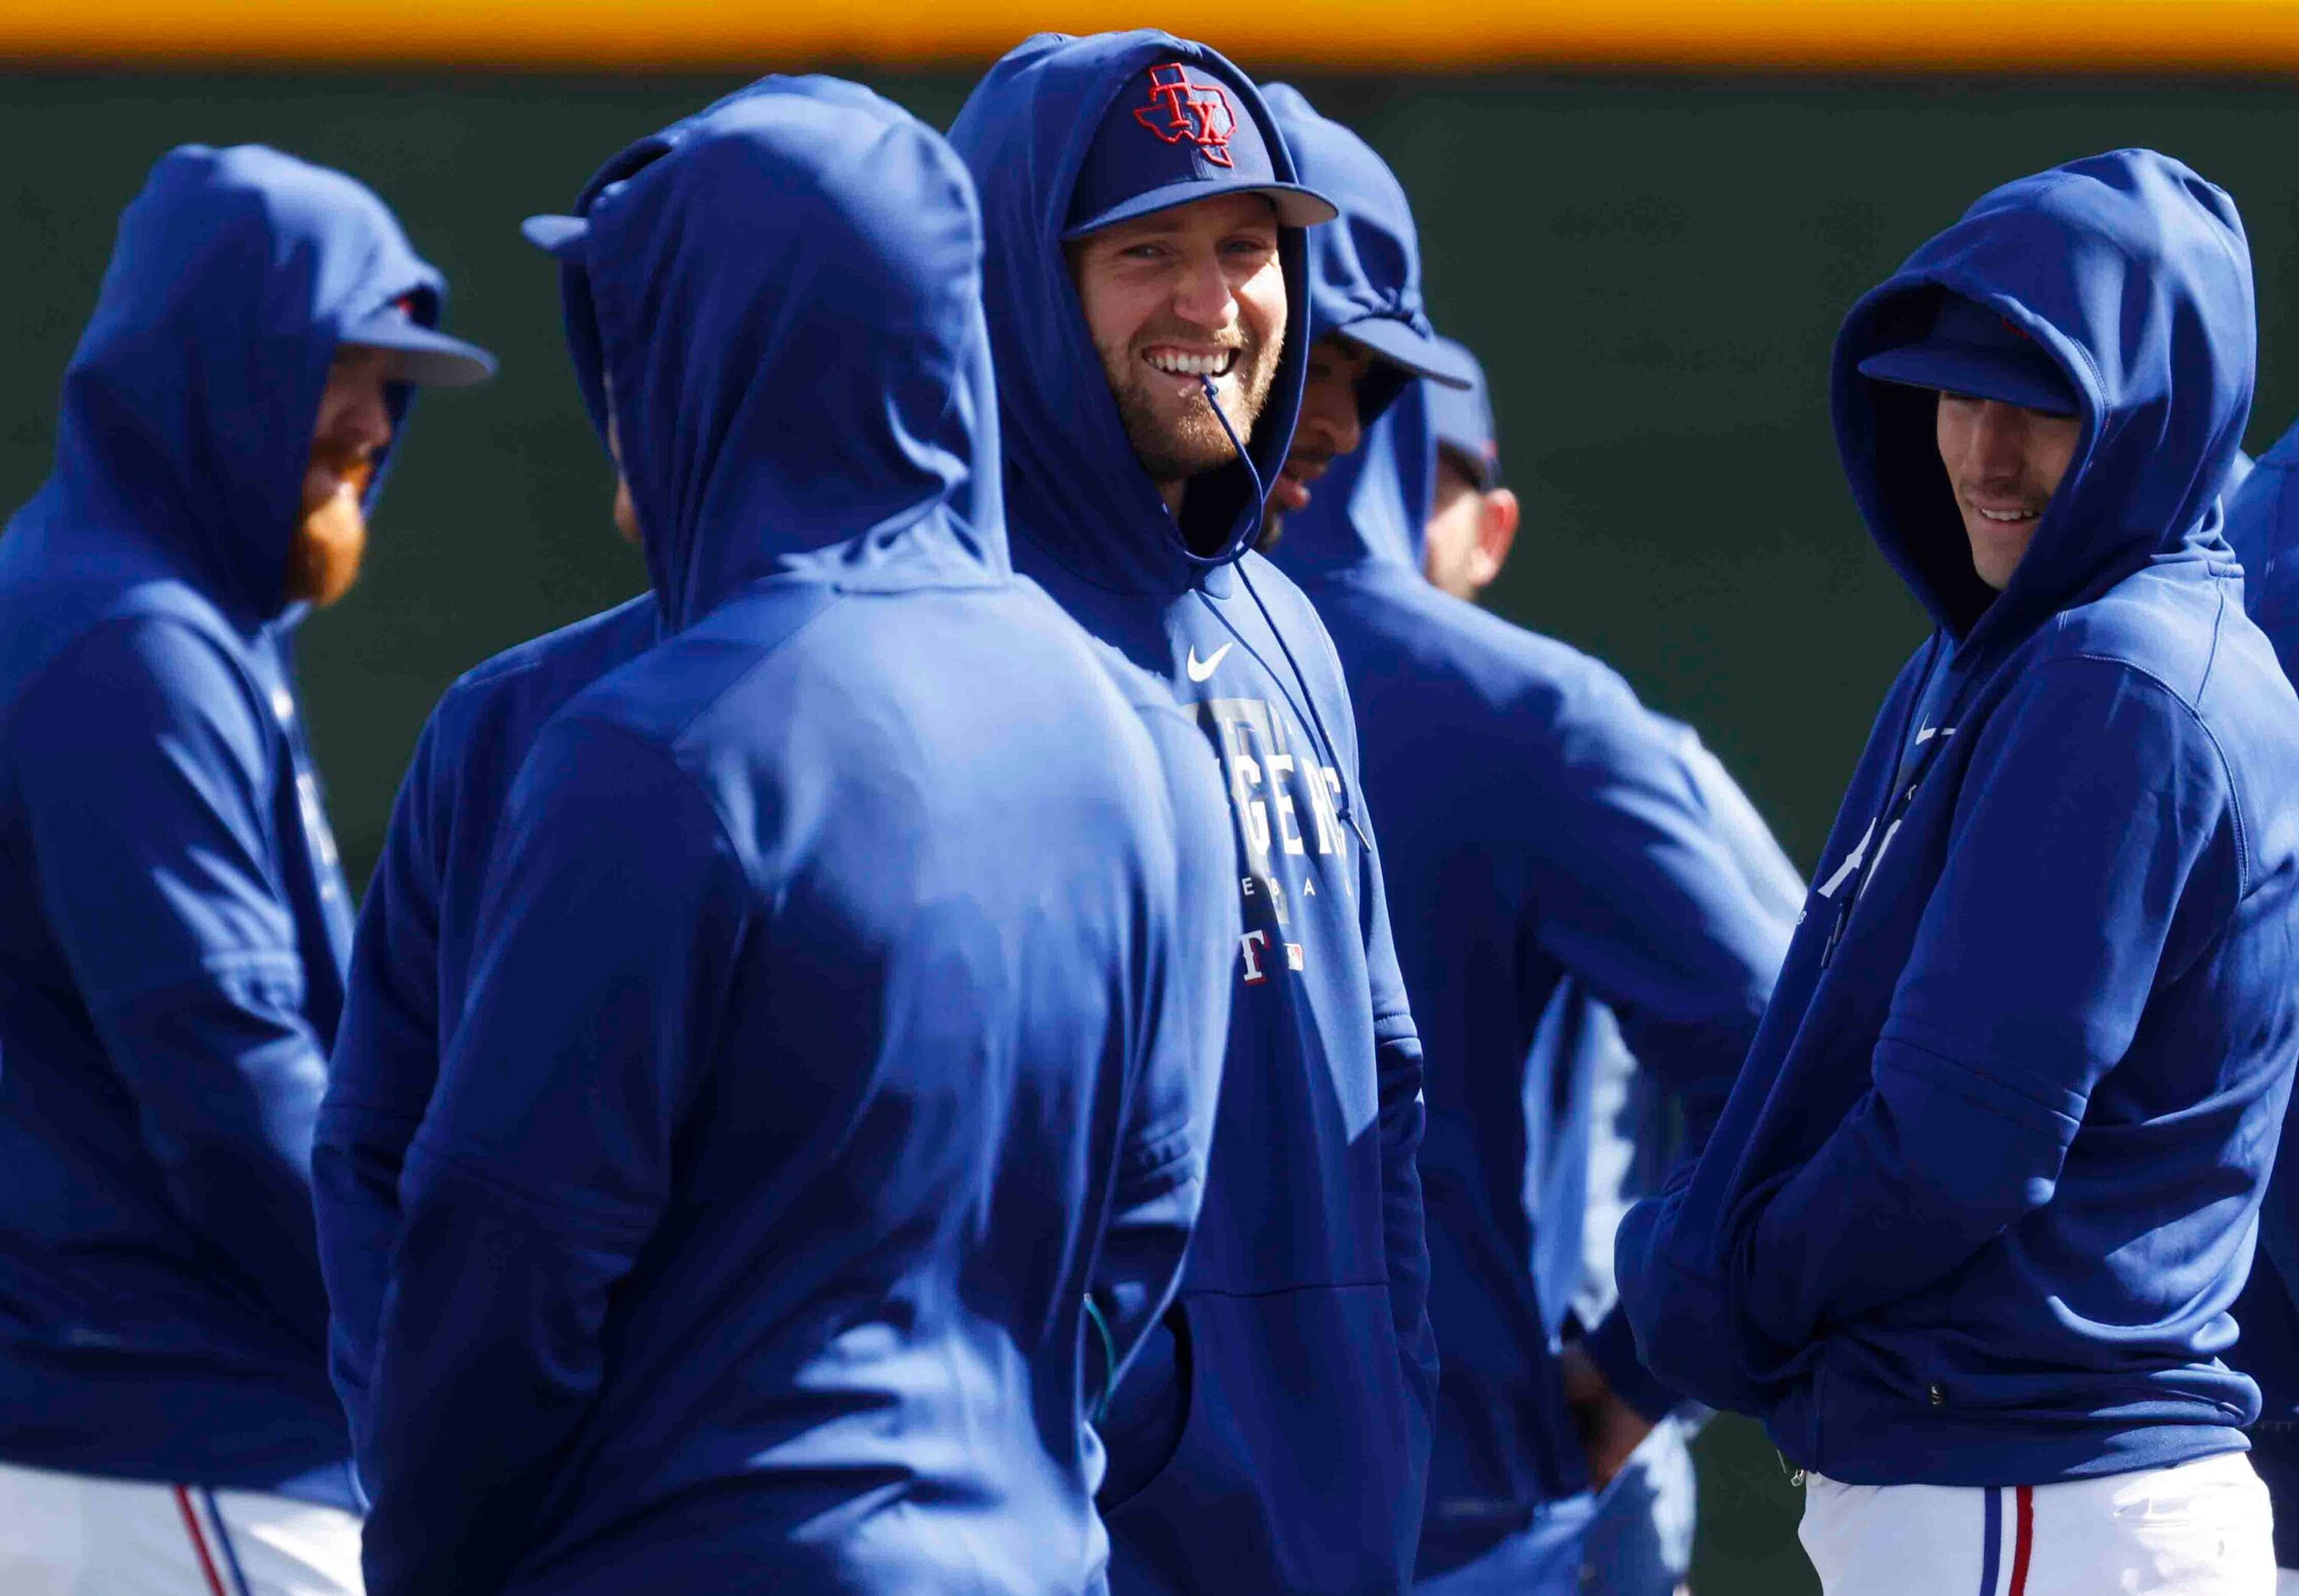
(1365, 274)
(1175, 134)
(1976, 351)
(419, 353)
(1461, 419)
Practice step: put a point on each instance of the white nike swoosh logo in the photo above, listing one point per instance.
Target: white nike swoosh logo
(1930, 732)
(1201, 670)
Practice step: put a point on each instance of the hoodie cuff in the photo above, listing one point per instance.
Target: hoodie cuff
(1612, 1347)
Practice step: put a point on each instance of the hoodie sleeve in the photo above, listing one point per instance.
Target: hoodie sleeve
(153, 823)
(2094, 813)
(386, 1061)
(611, 919)
(1401, 1117)
(1160, 1176)
(1641, 892)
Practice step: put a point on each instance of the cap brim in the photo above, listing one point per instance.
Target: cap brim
(1978, 373)
(561, 236)
(1297, 207)
(1402, 345)
(421, 356)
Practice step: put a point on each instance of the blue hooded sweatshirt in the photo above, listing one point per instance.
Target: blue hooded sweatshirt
(1274, 1436)
(1549, 840)
(2262, 527)
(410, 959)
(831, 1020)
(1980, 1199)
(172, 921)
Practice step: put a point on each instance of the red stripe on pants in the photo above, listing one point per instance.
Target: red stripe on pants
(2023, 1540)
(199, 1542)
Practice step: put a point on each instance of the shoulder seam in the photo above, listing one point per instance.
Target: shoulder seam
(2218, 754)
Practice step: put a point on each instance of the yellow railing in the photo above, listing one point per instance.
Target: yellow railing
(2140, 36)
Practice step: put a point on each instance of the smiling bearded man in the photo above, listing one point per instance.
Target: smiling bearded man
(1145, 284)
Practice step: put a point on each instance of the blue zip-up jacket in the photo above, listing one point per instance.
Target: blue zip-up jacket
(410, 959)
(1546, 835)
(1274, 1437)
(1980, 1199)
(172, 921)
(829, 1002)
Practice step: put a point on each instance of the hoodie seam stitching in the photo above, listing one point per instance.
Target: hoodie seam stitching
(2218, 754)
(696, 786)
(2219, 627)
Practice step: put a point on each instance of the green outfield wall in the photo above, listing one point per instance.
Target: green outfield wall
(1653, 270)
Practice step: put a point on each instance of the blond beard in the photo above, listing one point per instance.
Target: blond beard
(1177, 448)
(323, 558)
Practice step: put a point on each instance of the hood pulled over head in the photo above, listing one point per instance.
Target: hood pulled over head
(189, 405)
(779, 300)
(1372, 506)
(1365, 270)
(2132, 275)
(1076, 486)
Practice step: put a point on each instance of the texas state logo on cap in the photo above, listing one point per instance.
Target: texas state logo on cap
(1177, 134)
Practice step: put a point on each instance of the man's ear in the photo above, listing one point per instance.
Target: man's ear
(1497, 519)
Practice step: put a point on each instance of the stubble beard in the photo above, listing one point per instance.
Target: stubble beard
(1174, 447)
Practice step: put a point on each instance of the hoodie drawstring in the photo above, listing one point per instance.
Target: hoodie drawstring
(1308, 700)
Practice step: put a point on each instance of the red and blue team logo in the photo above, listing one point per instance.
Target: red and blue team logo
(1181, 110)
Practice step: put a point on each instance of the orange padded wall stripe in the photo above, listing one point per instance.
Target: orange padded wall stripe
(1958, 35)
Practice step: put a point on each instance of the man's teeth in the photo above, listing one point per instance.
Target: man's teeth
(2007, 515)
(1194, 365)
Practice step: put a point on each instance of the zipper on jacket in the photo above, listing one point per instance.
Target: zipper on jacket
(1897, 798)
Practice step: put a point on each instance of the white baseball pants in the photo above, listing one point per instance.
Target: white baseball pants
(77, 1535)
(2201, 1529)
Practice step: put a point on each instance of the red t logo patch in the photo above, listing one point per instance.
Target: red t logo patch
(1179, 109)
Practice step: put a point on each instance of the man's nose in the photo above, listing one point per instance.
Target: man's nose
(1329, 418)
(366, 422)
(1999, 443)
(1348, 431)
(1202, 296)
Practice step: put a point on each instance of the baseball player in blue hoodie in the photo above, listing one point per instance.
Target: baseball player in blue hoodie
(2262, 528)
(1553, 850)
(1644, 1523)
(1146, 300)
(1967, 1234)
(410, 957)
(834, 1015)
(172, 921)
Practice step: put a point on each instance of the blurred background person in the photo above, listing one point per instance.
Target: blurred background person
(2262, 527)
(1558, 879)
(173, 918)
(1646, 1517)
(1473, 517)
